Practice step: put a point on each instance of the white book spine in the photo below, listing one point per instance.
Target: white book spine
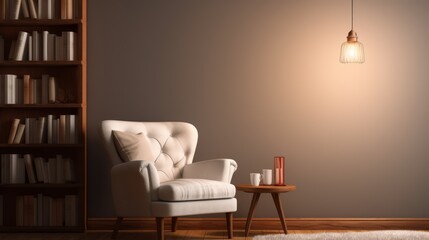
(45, 45)
(20, 46)
(70, 54)
(15, 9)
(30, 48)
(32, 9)
(50, 9)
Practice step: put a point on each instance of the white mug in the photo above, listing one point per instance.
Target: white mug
(267, 176)
(255, 179)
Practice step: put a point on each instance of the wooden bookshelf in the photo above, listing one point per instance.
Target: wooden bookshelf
(71, 79)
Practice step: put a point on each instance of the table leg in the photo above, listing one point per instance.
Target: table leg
(251, 211)
(278, 204)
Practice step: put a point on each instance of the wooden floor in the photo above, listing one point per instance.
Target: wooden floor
(145, 235)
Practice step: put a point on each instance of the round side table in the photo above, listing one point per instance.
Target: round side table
(257, 190)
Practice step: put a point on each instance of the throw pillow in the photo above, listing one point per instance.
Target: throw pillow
(131, 146)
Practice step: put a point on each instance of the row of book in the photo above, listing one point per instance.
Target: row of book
(38, 9)
(43, 210)
(51, 129)
(41, 46)
(20, 169)
(27, 90)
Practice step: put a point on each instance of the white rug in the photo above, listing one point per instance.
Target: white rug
(370, 235)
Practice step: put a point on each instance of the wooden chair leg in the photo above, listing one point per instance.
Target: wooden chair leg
(229, 217)
(173, 224)
(116, 229)
(160, 227)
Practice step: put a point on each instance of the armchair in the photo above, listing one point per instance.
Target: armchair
(153, 173)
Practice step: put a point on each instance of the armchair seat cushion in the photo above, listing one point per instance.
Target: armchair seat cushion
(188, 189)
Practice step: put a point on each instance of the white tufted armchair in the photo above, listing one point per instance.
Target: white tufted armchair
(153, 174)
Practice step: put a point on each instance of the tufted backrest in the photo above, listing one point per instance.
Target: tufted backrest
(173, 143)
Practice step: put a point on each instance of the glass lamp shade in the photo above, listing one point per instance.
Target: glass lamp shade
(352, 50)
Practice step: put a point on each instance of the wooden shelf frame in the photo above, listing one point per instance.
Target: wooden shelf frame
(73, 75)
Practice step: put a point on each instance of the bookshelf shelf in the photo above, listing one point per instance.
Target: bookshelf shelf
(40, 63)
(43, 92)
(35, 106)
(40, 22)
(27, 229)
(43, 146)
(5, 187)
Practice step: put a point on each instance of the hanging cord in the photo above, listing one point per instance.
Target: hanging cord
(352, 14)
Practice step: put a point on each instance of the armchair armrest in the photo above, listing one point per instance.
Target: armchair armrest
(134, 186)
(215, 169)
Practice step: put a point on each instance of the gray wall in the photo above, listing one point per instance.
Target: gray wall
(262, 78)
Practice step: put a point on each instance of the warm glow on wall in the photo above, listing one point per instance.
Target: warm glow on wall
(352, 50)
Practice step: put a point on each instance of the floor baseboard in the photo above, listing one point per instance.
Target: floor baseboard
(267, 223)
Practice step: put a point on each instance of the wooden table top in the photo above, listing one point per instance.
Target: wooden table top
(265, 188)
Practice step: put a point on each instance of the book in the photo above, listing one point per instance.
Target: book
(45, 171)
(67, 9)
(26, 90)
(36, 46)
(19, 134)
(45, 35)
(60, 169)
(17, 169)
(41, 9)
(49, 130)
(12, 50)
(70, 210)
(51, 47)
(69, 39)
(19, 210)
(1, 46)
(59, 55)
(29, 168)
(52, 90)
(19, 91)
(3, 11)
(29, 207)
(29, 48)
(10, 88)
(52, 170)
(39, 209)
(62, 130)
(13, 129)
(45, 89)
(20, 46)
(49, 9)
(32, 9)
(25, 10)
(5, 168)
(47, 207)
(40, 133)
(15, 9)
(69, 173)
(38, 163)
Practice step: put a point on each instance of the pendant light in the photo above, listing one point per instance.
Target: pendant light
(352, 50)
